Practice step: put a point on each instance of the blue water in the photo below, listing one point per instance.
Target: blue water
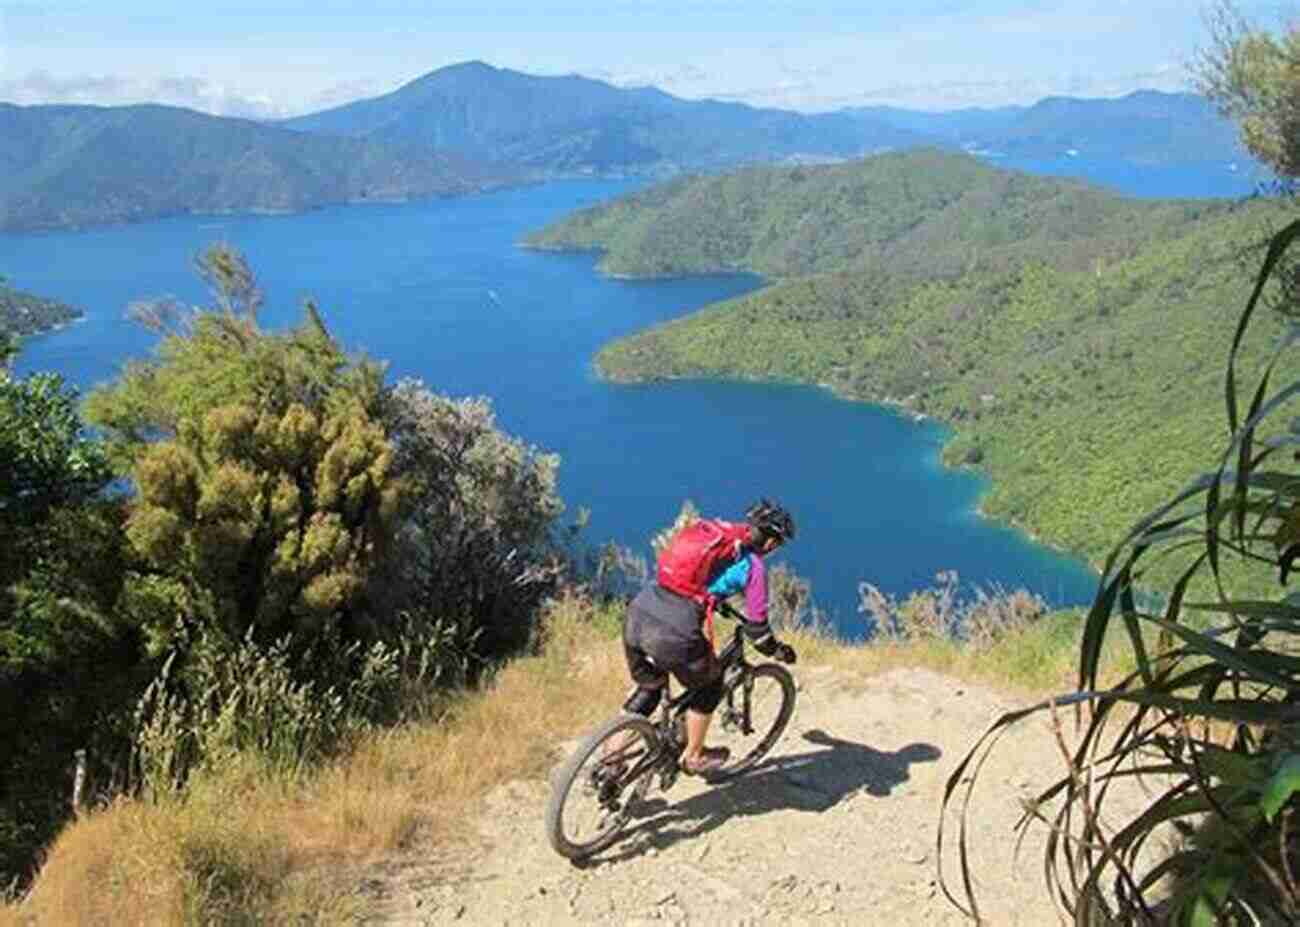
(1200, 179)
(440, 290)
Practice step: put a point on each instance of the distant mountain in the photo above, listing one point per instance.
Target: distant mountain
(68, 166)
(1144, 126)
(952, 127)
(575, 124)
(471, 126)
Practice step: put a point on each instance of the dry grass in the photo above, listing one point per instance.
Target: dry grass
(1035, 660)
(242, 848)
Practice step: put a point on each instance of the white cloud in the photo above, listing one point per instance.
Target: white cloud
(199, 93)
(110, 90)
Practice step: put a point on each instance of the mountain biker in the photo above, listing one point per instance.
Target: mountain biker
(663, 632)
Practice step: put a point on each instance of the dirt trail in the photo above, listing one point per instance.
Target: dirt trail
(838, 827)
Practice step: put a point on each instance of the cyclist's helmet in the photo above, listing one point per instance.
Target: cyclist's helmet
(771, 520)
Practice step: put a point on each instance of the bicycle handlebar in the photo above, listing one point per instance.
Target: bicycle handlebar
(732, 613)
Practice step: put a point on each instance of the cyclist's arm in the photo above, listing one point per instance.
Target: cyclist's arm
(748, 575)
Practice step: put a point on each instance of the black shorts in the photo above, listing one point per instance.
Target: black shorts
(662, 634)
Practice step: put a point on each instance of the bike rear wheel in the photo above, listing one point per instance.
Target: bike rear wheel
(756, 706)
(594, 792)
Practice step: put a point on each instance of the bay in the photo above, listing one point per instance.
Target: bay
(1184, 179)
(441, 291)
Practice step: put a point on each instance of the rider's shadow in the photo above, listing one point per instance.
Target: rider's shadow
(813, 781)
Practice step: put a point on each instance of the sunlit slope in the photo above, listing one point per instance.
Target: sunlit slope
(919, 214)
(1079, 352)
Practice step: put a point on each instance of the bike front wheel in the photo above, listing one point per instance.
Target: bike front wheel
(756, 706)
(593, 794)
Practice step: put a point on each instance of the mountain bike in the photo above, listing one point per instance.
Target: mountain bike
(598, 789)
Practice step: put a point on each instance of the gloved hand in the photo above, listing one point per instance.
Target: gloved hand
(785, 653)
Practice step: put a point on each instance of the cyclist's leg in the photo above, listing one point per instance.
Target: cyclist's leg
(701, 673)
(649, 681)
(648, 677)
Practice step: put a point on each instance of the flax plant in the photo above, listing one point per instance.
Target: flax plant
(1209, 721)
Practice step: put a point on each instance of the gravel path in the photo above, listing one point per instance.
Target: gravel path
(838, 827)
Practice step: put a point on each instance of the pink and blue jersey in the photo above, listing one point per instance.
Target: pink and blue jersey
(748, 575)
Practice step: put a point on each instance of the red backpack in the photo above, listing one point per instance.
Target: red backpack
(697, 554)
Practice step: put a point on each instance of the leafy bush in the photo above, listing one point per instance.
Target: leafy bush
(332, 546)
(1209, 714)
(45, 459)
(68, 657)
(264, 492)
(474, 553)
(306, 552)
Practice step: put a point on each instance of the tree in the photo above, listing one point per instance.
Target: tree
(45, 459)
(66, 653)
(474, 552)
(263, 476)
(1253, 76)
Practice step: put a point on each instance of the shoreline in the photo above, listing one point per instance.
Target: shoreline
(895, 407)
(254, 211)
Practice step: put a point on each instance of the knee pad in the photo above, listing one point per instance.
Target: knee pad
(706, 698)
(644, 701)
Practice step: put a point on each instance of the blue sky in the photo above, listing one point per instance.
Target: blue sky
(277, 58)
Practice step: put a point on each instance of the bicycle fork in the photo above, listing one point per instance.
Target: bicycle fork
(674, 734)
(731, 717)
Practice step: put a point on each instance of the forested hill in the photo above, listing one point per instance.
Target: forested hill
(919, 214)
(69, 166)
(24, 314)
(1074, 338)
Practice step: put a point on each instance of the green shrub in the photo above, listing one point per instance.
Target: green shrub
(474, 554)
(263, 486)
(69, 657)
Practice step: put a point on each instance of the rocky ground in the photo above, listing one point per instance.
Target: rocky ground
(837, 827)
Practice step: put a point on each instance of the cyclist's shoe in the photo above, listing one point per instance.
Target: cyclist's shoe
(711, 760)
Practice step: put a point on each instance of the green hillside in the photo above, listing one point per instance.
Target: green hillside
(914, 215)
(24, 314)
(1075, 340)
(69, 166)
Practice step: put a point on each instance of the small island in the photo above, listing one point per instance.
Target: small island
(24, 314)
